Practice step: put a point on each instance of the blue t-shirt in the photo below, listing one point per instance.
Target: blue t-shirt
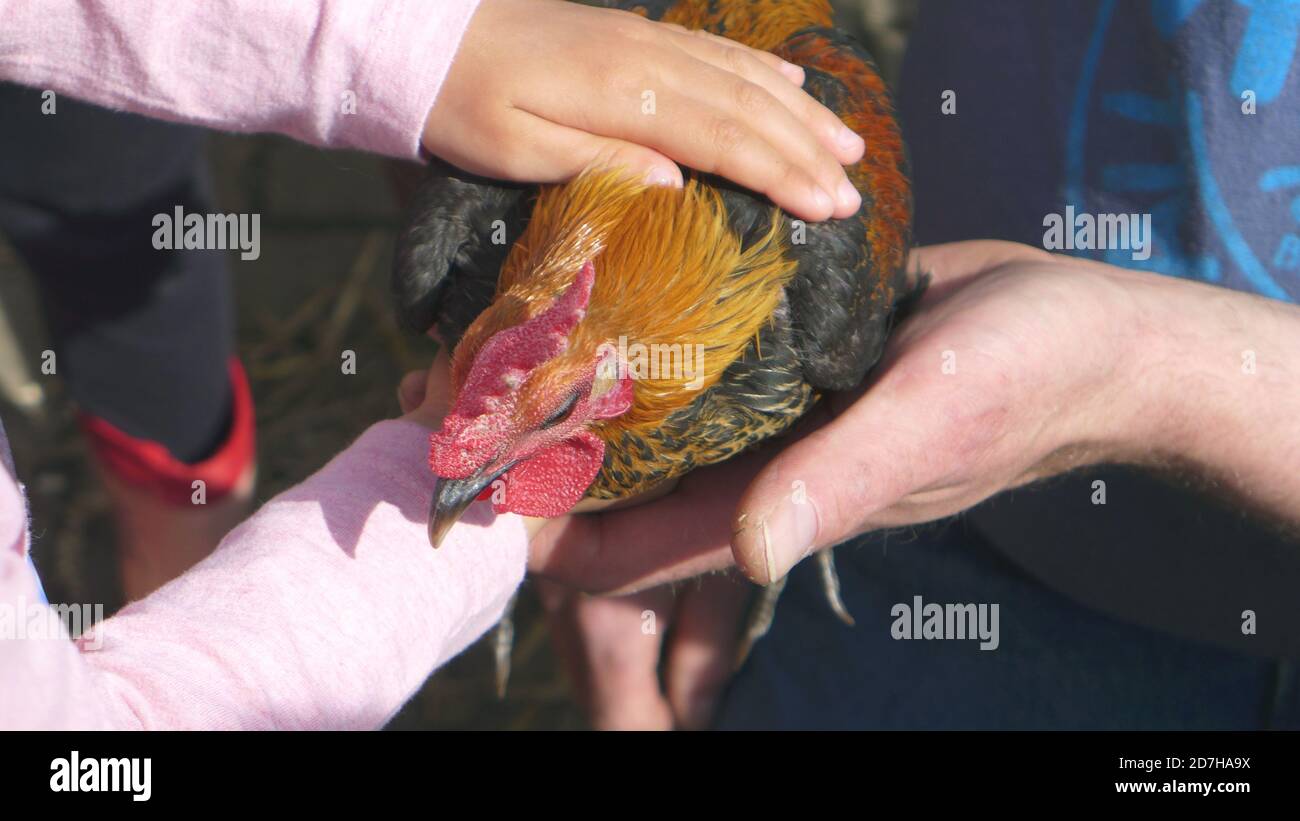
(1188, 111)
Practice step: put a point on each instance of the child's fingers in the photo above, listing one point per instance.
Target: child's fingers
(790, 71)
(723, 140)
(714, 137)
(724, 94)
(773, 76)
(410, 391)
(717, 122)
(433, 384)
(437, 388)
(549, 152)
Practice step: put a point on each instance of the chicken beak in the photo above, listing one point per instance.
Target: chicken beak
(450, 499)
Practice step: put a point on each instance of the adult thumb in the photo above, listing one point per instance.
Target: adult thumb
(818, 492)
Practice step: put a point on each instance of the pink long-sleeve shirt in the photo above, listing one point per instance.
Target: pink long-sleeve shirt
(340, 73)
(327, 608)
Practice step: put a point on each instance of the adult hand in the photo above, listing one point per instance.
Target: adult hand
(542, 89)
(1018, 365)
(1021, 365)
(1014, 367)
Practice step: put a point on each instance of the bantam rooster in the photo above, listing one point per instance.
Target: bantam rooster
(547, 408)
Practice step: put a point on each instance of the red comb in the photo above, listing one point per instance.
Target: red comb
(479, 419)
(512, 353)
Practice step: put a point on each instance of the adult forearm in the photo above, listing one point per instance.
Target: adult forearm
(1222, 379)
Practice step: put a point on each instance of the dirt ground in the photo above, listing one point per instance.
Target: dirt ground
(319, 287)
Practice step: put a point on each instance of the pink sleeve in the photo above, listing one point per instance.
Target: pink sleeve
(342, 73)
(327, 609)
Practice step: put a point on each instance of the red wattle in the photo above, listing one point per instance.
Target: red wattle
(551, 482)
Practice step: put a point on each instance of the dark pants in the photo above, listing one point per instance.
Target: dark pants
(1057, 665)
(141, 336)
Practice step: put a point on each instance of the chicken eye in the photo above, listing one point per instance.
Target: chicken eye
(563, 412)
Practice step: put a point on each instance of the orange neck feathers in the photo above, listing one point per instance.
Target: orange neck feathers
(669, 272)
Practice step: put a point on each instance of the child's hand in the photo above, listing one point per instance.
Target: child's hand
(541, 89)
(425, 396)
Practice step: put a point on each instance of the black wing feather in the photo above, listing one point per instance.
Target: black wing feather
(446, 265)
